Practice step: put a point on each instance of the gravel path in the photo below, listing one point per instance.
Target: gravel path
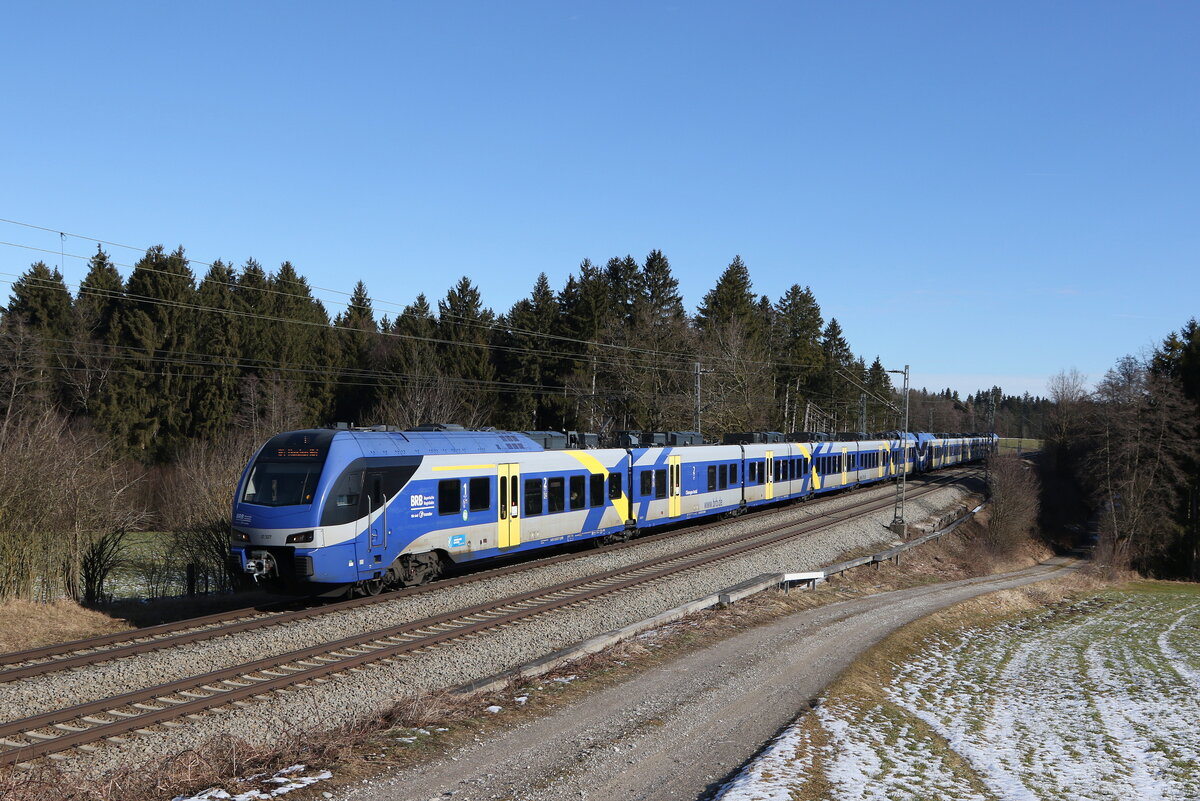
(351, 695)
(679, 730)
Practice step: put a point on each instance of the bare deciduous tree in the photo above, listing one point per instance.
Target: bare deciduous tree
(1014, 489)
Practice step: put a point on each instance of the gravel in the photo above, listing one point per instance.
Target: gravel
(351, 695)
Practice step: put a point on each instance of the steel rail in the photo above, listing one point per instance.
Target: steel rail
(80, 653)
(222, 687)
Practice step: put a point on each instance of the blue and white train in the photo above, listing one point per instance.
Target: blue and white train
(338, 511)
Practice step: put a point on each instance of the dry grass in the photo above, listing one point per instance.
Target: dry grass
(25, 624)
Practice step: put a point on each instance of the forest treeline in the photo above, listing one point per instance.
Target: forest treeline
(160, 360)
(1123, 459)
(134, 401)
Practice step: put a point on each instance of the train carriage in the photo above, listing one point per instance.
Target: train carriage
(332, 510)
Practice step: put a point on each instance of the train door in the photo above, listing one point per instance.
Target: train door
(674, 490)
(769, 487)
(376, 512)
(508, 505)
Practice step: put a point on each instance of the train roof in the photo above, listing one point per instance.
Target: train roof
(429, 443)
(310, 442)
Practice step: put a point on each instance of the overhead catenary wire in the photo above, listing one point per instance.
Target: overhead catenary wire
(609, 361)
(330, 326)
(488, 326)
(347, 305)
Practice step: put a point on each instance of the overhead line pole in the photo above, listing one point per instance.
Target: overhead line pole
(898, 524)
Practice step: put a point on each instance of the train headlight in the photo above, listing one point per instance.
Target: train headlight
(240, 536)
(303, 536)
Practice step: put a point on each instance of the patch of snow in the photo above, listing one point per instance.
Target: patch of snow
(785, 763)
(1099, 706)
(286, 779)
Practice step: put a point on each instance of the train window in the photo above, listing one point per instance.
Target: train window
(779, 468)
(660, 483)
(733, 473)
(722, 476)
(480, 492)
(614, 486)
(712, 478)
(533, 497)
(352, 487)
(578, 499)
(281, 484)
(556, 494)
(449, 496)
(597, 489)
(752, 477)
(647, 483)
(503, 499)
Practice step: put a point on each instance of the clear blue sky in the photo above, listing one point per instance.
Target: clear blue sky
(988, 192)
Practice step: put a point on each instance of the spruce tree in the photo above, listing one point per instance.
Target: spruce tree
(147, 404)
(659, 289)
(41, 301)
(623, 280)
(528, 361)
(358, 333)
(731, 300)
(306, 348)
(100, 297)
(39, 314)
(216, 394)
(836, 393)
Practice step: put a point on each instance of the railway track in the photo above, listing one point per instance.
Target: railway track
(85, 725)
(82, 653)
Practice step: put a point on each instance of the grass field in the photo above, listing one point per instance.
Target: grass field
(1010, 445)
(1095, 700)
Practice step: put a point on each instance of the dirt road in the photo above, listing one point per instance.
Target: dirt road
(677, 732)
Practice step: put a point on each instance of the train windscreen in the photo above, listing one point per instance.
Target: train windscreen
(287, 469)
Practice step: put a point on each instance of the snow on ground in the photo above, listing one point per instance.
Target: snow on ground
(270, 786)
(1094, 702)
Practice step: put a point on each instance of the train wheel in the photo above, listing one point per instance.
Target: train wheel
(372, 587)
(421, 568)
